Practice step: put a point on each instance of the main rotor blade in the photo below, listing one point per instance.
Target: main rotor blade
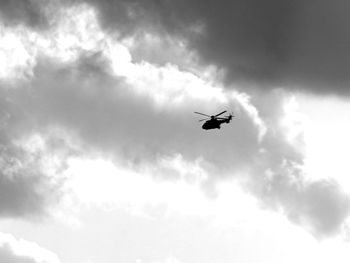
(220, 113)
(202, 114)
(204, 119)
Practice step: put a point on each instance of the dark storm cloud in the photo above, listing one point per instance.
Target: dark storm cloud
(289, 43)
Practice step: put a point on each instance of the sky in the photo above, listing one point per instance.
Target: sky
(103, 160)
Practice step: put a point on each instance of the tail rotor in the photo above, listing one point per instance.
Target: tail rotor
(229, 117)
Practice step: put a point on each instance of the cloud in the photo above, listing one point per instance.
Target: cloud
(126, 125)
(14, 250)
(139, 113)
(293, 44)
(107, 110)
(17, 12)
(19, 196)
(107, 113)
(325, 205)
(279, 181)
(26, 187)
(320, 206)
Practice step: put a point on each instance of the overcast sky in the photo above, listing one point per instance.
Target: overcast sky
(103, 160)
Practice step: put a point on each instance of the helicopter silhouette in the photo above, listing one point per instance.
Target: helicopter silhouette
(214, 121)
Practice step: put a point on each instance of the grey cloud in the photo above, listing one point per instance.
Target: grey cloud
(14, 250)
(325, 205)
(19, 196)
(294, 44)
(27, 12)
(321, 206)
(107, 116)
(7, 256)
(105, 113)
(25, 191)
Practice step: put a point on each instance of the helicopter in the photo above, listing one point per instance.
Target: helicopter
(214, 121)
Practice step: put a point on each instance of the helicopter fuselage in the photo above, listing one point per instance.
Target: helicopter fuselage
(214, 123)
